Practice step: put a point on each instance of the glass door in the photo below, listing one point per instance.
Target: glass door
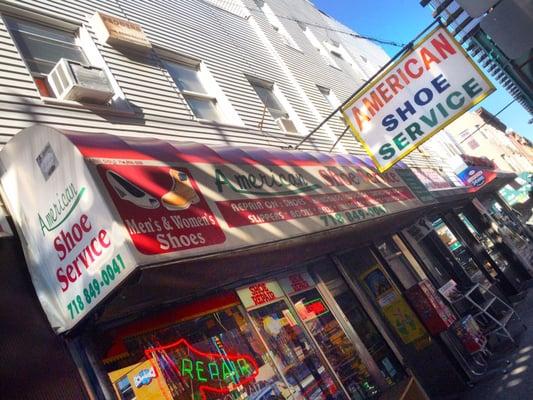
(335, 345)
(363, 267)
(378, 357)
(306, 372)
(462, 254)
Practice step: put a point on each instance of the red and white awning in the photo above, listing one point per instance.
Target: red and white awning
(91, 208)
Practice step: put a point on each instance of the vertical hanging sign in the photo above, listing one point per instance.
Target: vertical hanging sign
(430, 86)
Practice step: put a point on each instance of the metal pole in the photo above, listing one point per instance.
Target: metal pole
(339, 139)
(407, 47)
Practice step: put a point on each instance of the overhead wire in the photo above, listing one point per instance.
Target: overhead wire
(339, 138)
(353, 34)
(345, 32)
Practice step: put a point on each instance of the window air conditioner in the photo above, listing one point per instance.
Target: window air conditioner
(70, 80)
(286, 125)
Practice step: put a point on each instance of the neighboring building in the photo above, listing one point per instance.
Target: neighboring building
(502, 48)
(481, 134)
(525, 147)
(171, 245)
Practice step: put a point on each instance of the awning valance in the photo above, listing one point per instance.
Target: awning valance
(91, 208)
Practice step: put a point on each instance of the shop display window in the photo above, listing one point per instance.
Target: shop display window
(293, 352)
(272, 344)
(364, 268)
(462, 253)
(338, 349)
(487, 244)
(212, 356)
(512, 231)
(389, 366)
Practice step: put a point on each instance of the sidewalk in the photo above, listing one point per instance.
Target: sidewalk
(514, 380)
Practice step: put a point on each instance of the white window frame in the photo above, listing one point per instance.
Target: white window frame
(235, 7)
(339, 49)
(287, 108)
(117, 105)
(278, 26)
(226, 113)
(332, 100)
(337, 54)
(330, 97)
(309, 34)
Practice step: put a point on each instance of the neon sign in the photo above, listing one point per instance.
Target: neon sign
(210, 372)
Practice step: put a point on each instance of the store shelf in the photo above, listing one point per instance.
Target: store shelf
(485, 306)
(493, 322)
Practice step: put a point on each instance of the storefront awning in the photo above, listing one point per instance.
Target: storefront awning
(478, 177)
(498, 180)
(92, 209)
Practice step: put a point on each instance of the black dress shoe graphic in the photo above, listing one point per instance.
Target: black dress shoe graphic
(130, 192)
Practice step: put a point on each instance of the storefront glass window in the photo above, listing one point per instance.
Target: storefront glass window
(510, 229)
(213, 356)
(488, 245)
(363, 267)
(291, 349)
(461, 253)
(398, 263)
(389, 366)
(338, 349)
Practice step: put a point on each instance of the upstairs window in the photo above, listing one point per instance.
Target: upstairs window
(189, 81)
(317, 45)
(236, 7)
(336, 54)
(66, 66)
(338, 51)
(266, 93)
(270, 101)
(330, 97)
(42, 47)
(277, 25)
(332, 100)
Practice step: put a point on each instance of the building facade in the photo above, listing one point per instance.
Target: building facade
(479, 134)
(169, 243)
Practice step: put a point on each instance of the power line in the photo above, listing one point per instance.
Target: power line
(485, 123)
(356, 35)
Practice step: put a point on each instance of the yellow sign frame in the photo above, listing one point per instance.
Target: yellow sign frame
(370, 85)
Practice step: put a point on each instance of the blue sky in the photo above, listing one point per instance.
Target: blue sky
(402, 20)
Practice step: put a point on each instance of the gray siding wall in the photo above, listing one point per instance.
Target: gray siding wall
(231, 46)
